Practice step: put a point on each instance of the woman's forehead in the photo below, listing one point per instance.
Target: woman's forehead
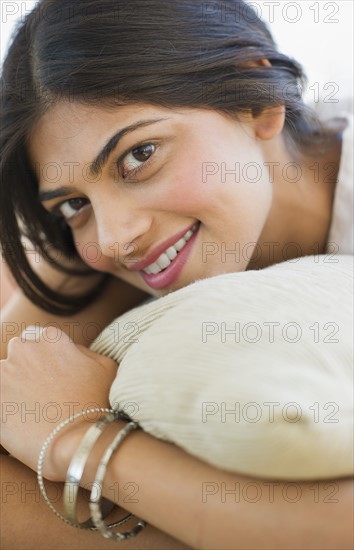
(66, 118)
(69, 124)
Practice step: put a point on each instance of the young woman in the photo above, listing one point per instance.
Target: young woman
(129, 131)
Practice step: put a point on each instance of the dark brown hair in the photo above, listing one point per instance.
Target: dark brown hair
(163, 52)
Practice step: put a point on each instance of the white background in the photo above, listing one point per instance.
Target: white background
(319, 34)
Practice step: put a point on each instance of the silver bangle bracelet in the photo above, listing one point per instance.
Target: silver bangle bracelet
(76, 469)
(96, 492)
(42, 455)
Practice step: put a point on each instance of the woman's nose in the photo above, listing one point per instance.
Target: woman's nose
(121, 234)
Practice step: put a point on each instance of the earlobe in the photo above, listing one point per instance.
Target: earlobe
(270, 122)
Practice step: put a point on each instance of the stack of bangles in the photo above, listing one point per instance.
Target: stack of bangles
(75, 472)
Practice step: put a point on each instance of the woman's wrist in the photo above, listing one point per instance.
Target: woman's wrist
(65, 445)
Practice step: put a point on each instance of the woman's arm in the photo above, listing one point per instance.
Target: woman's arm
(27, 523)
(175, 492)
(321, 517)
(208, 508)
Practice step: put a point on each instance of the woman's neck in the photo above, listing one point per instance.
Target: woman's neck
(303, 192)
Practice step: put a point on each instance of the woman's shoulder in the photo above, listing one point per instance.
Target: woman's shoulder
(339, 115)
(342, 226)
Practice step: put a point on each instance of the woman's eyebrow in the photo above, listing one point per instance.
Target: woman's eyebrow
(101, 158)
(49, 195)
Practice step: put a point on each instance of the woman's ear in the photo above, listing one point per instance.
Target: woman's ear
(258, 63)
(270, 122)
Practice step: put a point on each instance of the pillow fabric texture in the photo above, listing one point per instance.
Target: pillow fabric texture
(251, 372)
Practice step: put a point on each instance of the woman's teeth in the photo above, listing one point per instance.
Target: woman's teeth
(169, 255)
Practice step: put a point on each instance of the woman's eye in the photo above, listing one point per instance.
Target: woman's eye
(136, 158)
(71, 207)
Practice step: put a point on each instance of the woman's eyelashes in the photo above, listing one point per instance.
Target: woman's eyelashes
(70, 208)
(136, 159)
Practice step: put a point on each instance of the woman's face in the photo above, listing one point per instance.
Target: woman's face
(176, 198)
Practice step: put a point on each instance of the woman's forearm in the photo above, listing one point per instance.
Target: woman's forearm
(208, 508)
(27, 523)
(190, 500)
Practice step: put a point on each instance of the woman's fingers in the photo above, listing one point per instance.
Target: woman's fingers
(45, 379)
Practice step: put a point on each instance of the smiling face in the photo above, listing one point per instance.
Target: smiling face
(175, 192)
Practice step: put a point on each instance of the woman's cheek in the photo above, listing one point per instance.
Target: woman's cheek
(186, 193)
(91, 254)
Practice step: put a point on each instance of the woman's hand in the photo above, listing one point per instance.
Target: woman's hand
(45, 379)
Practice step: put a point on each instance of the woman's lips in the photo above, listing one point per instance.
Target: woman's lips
(139, 265)
(171, 273)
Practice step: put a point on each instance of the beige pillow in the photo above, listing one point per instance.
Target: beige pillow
(251, 372)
